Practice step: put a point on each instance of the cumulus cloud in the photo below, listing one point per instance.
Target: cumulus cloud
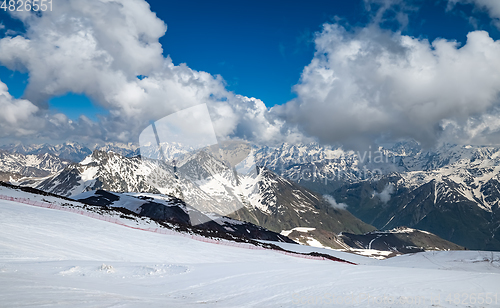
(334, 204)
(17, 116)
(362, 84)
(99, 48)
(385, 194)
(91, 47)
(249, 118)
(20, 118)
(370, 83)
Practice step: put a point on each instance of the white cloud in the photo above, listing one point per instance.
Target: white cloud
(367, 84)
(17, 116)
(250, 119)
(361, 85)
(334, 204)
(90, 47)
(385, 194)
(99, 48)
(20, 118)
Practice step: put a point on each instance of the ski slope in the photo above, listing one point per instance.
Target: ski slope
(54, 258)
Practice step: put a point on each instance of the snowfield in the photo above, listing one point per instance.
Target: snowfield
(54, 258)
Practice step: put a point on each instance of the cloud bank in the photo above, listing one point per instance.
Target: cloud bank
(17, 115)
(362, 85)
(110, 51)
(371, 84)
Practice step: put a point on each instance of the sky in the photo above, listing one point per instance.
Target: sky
(347, 72)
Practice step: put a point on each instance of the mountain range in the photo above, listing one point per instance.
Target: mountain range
(71, 151)
(451, 191)
(173, 213)
(205, 183)
(14, 166)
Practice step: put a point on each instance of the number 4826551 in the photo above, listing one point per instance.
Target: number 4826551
(26, 5)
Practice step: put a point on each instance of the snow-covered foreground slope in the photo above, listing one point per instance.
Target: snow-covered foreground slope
(56, 258)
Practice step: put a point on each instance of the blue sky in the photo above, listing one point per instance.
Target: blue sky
(401, 81)
(259, 47)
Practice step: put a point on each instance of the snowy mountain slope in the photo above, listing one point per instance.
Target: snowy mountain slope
(113, 172)
(473, 172)
(379, 244)
(167, 150)
(207, 184)
(264, 198)
(165, 208)
(16, 166)
(173, 210)
(67, 151)
(124, 149)
(164, 214)
(285, 205)
(72, 151)
(319, 167)
(316, 163)
(100, 170)
(50, 257)
(327, 165)
(325, 168)
(437, 207)
(456, 184)
(400, 240)
(470, 261)
(452, 191)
